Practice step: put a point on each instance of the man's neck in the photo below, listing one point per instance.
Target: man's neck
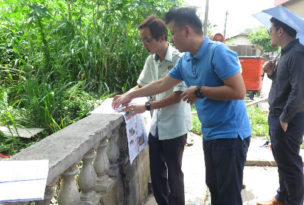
(163, 51)
(285, 41)
(196, 44)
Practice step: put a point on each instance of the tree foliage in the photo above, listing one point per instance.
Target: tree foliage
(261, 38)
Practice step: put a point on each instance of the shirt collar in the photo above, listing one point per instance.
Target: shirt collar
(201, 50)
(289, 46)
(169, 54)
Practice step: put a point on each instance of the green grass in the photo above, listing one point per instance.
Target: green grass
(12, 145)
(196, 124)
(258, 120)
(58, 57)
(57, 109)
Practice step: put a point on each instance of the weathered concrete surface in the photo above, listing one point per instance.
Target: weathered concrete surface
(20, 132)
(128, 186)
(135, 177)
(68, 145)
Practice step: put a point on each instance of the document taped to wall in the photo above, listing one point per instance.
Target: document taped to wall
(23, 180)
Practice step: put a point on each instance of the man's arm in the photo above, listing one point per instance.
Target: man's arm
(233, 89)
(149, 90)
(169, 100)
(296, 95)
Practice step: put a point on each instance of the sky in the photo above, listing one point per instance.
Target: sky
(239, 13)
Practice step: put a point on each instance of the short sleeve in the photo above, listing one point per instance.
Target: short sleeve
(175, 72)
(225, 62)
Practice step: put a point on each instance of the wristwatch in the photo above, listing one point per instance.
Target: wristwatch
(198, 92)
(148, 105)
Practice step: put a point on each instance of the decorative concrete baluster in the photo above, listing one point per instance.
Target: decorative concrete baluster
(101, 165)
(48, 194)
(113, 153)
(87, 177)
(69, 194)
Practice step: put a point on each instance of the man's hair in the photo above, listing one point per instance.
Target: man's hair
(156, 25)
(279, 24)
(185, 16)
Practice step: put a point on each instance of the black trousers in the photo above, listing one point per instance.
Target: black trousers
(286, 152)
(166, 169)
(225, 160)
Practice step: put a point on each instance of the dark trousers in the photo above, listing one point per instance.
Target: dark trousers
(225, 160)
(286, 152)
(166, 169)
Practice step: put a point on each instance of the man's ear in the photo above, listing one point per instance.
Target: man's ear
(281, 31)
(188, 30)
(162, 38)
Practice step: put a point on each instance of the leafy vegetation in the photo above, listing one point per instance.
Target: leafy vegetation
(196, 123)
(261, 38)
(58, 58)
(258, 120)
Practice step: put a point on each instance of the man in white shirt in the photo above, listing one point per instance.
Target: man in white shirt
(171, 119)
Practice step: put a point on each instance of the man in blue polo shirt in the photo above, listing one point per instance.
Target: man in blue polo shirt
(212, 74)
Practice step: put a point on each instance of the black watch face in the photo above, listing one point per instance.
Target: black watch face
(148, 105)
(198, 93)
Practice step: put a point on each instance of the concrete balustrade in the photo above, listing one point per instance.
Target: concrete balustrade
(89, 164)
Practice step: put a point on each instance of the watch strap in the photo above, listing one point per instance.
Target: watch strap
(198, 92)
(148, 105)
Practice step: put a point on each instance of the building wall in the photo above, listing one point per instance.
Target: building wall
(242, 46)
(296, 6)
(239, 40)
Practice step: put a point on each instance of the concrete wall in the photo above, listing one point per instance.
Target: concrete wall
(122, 183)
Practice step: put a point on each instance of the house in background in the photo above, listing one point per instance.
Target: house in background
(296, 6)
(241, 44)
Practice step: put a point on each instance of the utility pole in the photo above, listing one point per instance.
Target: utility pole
(206, 17)
(225, 24)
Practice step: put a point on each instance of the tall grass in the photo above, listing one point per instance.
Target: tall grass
(58, 58)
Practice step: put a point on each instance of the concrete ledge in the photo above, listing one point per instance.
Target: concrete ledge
(259, 155)
(261, 163)
(68, 146)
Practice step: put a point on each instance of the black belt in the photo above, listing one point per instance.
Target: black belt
(275, 110)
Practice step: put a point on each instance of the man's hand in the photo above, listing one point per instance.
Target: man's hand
(188, 95)
(269, 67)
(115, 98)
(119, 100)
(134, 110)
(284, 125)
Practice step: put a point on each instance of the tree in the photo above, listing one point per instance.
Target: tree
(261, 38)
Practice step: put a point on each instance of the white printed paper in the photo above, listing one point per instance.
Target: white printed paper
(137, 127)
(23, 180)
